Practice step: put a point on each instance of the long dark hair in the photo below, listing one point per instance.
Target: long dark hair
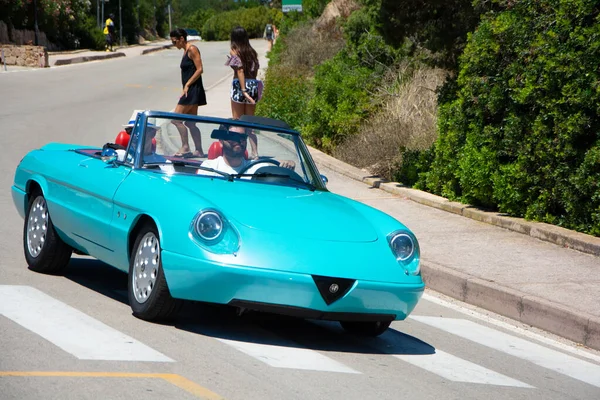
(240, 42)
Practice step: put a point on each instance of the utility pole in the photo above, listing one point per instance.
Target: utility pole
(155, 24)
(102, 20)
(170, 29)
(120, 26)
(35, 24)
(98, 13)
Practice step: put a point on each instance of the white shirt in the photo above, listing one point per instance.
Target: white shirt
(219, 164)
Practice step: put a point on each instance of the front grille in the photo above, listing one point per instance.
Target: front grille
(331, 288)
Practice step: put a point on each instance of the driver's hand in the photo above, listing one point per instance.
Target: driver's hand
(289, 164)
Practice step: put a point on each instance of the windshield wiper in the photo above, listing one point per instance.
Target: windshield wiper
(225, 174)
(309, 185)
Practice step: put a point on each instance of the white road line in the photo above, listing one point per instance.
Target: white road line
(524, 332)
(289, 357)
(459, 370)
(73, 331)
(556, 361)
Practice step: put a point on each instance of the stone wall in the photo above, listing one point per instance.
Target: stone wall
(24, 56)
(24, 36)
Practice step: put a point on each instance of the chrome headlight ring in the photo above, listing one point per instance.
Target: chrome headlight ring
(213, 232)
(405, 247)
(209, 226)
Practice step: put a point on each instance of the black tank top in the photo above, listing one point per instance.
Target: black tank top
(188, 68)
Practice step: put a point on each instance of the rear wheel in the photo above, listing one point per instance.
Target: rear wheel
(149, 295)
(365, 328)
(45, 251)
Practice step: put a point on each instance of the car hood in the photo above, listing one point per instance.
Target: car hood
(284, 210)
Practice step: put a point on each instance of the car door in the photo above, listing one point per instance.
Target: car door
(94, 184)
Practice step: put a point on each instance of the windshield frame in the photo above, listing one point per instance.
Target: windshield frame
(140, 127)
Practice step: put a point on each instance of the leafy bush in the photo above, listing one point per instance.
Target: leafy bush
(341, 101)
(286, 95)
(521, 132)
(441, 26)
(219, 26)
(90, 36)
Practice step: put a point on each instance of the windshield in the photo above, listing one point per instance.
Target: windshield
(192, 32)
(228, 151)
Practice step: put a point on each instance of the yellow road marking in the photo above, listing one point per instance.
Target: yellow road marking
(174, 379)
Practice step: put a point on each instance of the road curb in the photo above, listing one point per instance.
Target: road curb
(540, 313)
(152, 50)
(77, 60)
(531, 310)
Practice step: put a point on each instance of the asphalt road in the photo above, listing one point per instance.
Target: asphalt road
(73, 337)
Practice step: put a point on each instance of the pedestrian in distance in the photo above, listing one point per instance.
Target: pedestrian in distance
(109, 32)
(246, 89)
(193, 94)
(269, 34)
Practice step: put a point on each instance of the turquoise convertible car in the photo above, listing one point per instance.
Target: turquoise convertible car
(261, 233)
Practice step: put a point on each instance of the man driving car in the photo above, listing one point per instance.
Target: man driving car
(234, 142)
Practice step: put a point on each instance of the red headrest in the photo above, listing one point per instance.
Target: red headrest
(122, 139)
(216, 149)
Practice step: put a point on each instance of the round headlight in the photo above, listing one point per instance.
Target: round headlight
(209, 225)
(403, 246)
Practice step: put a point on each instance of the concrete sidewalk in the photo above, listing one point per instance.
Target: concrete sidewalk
(535, 273)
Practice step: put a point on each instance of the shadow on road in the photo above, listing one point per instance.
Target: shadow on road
(223, 322)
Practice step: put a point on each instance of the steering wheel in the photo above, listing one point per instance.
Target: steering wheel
(253, 163)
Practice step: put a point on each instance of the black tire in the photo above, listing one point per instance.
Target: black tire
(45, 252)
(366, 328)
(155, 304)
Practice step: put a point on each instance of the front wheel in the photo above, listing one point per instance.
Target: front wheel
(45, 252)
(149, 295)
(365, 328)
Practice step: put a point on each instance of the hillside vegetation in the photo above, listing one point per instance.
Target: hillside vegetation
(491, 103)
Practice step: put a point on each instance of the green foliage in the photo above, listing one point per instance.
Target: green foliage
(314, 8)
(197, 19)
(90, 36)
(520, 133)
(286, 95)
(219, 26)
(341, 101)
(440, 26)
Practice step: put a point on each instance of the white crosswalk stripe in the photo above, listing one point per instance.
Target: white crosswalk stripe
(458, 370)
(73, 331)
(551, 359)
(289, 357)
(89, 339)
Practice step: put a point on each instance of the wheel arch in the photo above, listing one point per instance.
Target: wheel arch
(142, 220)
(33, 186)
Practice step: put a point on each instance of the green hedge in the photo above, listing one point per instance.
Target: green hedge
(219, 26)
(286, 95)
(522, 133)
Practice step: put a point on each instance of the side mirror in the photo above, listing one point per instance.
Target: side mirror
(325, 180)
(110, 160)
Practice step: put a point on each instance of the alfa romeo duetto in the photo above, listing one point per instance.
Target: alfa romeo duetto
(258, 233)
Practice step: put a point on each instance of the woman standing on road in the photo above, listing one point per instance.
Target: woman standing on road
(246, 90)
(193, 93)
